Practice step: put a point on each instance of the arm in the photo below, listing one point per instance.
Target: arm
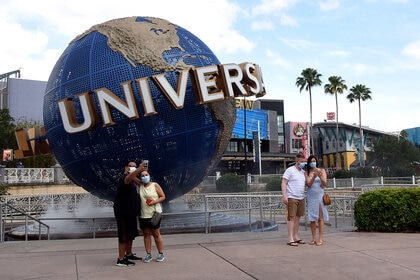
(283, 189)
(160, 193)
(309, 180)
(133, 175)
(323, 177)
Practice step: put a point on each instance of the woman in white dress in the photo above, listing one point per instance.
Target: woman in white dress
(316, 180)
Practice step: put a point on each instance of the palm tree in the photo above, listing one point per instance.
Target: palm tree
(310, 78)
(336, 85)
(360, 92)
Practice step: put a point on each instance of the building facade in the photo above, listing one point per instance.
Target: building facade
(261, 142)
(248, 154)
(347, 145)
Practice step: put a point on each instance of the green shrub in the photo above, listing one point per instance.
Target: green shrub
(265, 179)
(342, 173)
(363, 172)
(274, 184)
(230, 182)
(388, 210)
(3, 190)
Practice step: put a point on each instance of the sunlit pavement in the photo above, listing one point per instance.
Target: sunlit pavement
(244, 255)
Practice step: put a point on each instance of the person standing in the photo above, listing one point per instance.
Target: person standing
(293, 190)
(316, 180)
(151, 196)
(126, 211)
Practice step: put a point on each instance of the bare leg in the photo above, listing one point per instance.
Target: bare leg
(296, 228)
(121, 249)
(158, 240)
(147, 238)
(321, 226)
(290, 227)
(313, 231)
(129, 247)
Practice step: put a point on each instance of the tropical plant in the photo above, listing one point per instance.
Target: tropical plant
(310, 78)
(394, 156)
(7, 128)
(360, 93)
(336, 85)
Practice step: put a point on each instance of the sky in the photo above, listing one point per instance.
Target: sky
(375, 43)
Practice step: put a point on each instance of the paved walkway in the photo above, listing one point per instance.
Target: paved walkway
(245, 255)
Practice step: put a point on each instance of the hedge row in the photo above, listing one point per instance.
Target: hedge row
(388, 210)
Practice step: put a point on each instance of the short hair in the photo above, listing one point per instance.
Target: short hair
(300, 155)
(128, 162)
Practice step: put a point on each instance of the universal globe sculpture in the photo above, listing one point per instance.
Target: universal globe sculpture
(119, 92)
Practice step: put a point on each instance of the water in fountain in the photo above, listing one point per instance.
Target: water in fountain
(87, 219)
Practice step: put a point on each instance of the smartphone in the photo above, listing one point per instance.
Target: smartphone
(145, 163)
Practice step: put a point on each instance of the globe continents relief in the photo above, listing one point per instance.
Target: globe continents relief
(111, 61)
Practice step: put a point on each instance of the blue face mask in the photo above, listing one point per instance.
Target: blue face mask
(145, 179)
(312, 164)
(302, 164)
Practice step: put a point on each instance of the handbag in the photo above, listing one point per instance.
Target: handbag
(326, 198)
(156, 217)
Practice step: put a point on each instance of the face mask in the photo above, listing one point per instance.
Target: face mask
(312, 164)
(302, 164)
(132, 169)
(145, 179)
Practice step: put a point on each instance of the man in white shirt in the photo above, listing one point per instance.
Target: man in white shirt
(293, 190)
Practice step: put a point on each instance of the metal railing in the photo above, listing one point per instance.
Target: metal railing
(10, 215)
(243, 203)
(260, 208)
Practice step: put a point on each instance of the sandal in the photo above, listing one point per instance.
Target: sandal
(313, 242)
(300, 241)
(319, 243)
(293, 243)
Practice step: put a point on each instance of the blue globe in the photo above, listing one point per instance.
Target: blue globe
(182, 143)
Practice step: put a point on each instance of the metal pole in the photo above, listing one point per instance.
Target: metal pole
(259, 148)
(245, 148)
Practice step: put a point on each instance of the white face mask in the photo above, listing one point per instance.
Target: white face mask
(132, 169)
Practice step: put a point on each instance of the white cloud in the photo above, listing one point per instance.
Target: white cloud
(288, 20)
(329, 5)
(297, 44)
(412, 50)
(273, 6)
(265, 24)
(338, 53)
(278, 60)
(48, 26)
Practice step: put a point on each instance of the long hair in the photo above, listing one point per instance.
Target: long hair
(308, 168)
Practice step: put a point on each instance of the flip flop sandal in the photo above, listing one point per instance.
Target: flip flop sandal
(313, 242)
(300, 241)
(292, 243)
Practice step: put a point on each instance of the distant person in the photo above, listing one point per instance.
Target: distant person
(316, 180)
(126, 211)
(151, 195)
(6, 155)
(293, 191)
(20, 165)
